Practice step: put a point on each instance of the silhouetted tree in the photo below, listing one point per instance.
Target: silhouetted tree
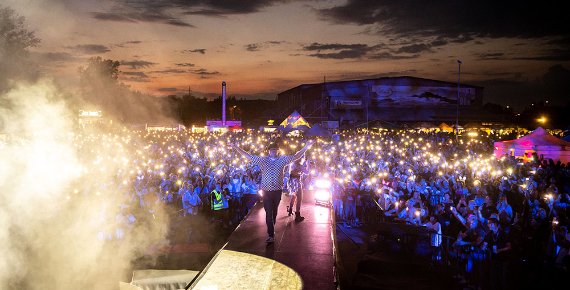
(99, 69)
(102, 90)
(15, 40)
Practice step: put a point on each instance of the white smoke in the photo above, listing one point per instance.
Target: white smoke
(57, 212)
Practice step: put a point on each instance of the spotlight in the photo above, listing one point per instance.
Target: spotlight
(323, 194)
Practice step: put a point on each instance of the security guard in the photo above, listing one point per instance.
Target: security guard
(216, 200)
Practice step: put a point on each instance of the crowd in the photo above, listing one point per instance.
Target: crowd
(178, 173)
(498, 212)
(499, 209)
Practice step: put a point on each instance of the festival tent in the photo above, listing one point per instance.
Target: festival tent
(318, 131)
(445, 128)
(538, 141)
(294, 122)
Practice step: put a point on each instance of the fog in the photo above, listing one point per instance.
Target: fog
(64, 208)
(69, 214)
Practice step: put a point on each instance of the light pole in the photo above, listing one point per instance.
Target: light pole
(367, 99)
(458, 87)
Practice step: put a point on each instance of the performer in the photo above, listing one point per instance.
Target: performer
(297, 173)
(272, 168)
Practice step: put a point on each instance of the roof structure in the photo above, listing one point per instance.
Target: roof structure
(294, 122)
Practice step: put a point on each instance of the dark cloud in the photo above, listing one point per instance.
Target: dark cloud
(203, 73)
(455, 20)
(367, 75)
(391, 56)
(168, 90)
(135, 76)
(90, 48)
(429, 25)
(491, 56)
(112, 17)
(377, 52)
(137, 79)
(177, 22)
(170, 12)
(139, 74)
(261, 45)
(150, 16)
(170, 71)
(337, 51)
(136, 64)
(200, 7)
(198, 50)
(206, 12)
(128, 42)
(544, 55)
(463, 39)
(186, 64)
(334, 46)
(439, 42)
(414, 48)
(343, 54)
(252, 47)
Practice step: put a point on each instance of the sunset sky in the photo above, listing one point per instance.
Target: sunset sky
(518, 50)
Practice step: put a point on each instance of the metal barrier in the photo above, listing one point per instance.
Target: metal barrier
(530, 264)
(469, 266)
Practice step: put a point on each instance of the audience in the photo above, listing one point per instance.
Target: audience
(457, 189)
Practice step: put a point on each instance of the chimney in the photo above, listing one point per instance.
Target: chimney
(223, 103)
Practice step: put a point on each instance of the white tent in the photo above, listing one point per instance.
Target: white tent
(538, 141)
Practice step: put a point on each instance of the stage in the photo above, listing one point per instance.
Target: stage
(302, 256)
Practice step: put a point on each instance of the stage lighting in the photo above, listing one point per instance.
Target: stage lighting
(323, 194)
(323, 183)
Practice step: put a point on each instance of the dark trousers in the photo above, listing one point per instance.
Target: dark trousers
(271, 201)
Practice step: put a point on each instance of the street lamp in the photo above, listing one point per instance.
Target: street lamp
(458, 86)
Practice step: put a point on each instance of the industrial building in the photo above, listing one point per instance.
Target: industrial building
(388, 99)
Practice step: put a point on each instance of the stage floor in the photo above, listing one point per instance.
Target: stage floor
(302, 256)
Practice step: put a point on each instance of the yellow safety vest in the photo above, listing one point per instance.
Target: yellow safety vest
(217, 201)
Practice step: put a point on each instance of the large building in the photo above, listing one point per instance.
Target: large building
(388, 99)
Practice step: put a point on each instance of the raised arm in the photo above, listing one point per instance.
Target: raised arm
(300, 153)
(241, 151)
(459, 217)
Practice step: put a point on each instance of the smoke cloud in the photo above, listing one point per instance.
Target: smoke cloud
(69, 218)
